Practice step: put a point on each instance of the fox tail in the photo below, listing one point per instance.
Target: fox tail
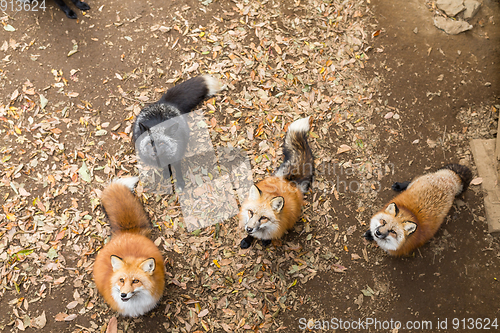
(463, 172)
(187, 95)
(298, 164)
(124, 210)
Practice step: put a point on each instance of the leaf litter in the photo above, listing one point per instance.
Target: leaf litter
(278, 62)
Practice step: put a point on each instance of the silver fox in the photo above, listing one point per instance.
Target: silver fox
(160, 131)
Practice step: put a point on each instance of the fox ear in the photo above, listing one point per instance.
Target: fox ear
(392, 209)
(277, 204)
(254, 193)
(410, 227)
(172, 130)
(148, 265)
(143, 127)
(116, 263)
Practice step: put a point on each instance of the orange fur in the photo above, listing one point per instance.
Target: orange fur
(124, 210)
(270, 188)
(133, 248)
(414, 216)
(274, 204)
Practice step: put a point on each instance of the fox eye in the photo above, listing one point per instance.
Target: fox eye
(263, 219)
(122, 280)
(383, 222)
(392, 232)
(134, 281)
(250, 213)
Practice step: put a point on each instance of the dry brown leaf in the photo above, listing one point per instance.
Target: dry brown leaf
(112, 325)
(343, 148)
(477, 181)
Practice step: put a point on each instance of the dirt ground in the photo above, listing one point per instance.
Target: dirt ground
(392, 97)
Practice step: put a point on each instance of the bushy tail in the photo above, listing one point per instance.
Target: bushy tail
(463, 172)
(188, 94)
(298, 165)
(123, 208)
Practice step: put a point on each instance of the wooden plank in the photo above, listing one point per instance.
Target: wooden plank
(486, 162)
(497, 144)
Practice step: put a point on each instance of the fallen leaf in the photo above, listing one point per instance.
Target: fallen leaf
(203, 313)
(85, 173)
(72, 305)
(338, 268)
(431, 143)
(477, 181)
(389, 115)
(52, 253)
(43, 102)
(70, 317)
(60, 316)
(40, 321)
(343, 149)
(112, 326)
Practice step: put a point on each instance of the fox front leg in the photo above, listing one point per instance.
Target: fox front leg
(266, 242)
(246, 242)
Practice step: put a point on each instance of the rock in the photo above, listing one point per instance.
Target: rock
(451, 7)
(471, 8)
(450, 26)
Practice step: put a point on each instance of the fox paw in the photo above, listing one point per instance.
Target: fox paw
(82, 5)
(266, 242)
(70, 14)
(400, 186)
(246, 242)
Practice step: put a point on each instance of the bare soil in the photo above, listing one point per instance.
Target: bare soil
(410, 100)
(443, 88)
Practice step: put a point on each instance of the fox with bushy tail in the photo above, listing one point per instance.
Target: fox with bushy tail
(275, 203)
(161, 131)
(414, 216)
(129, 271)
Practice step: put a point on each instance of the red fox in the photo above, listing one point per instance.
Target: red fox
(275, 203)
(414, 216)
(129, 271)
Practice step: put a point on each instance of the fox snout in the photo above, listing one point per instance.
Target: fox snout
(124, 297)
(380, 235)
(250, 230)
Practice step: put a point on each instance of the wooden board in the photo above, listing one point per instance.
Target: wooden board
(497, 148)
(486, 161)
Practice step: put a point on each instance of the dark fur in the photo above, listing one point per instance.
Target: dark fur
(64, 7)
(68, 11)
(368, 235)
(298, 162)
(400, 186)
(463, 172)
(167, 135)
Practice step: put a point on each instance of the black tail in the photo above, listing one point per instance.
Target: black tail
(298, 164)
(188, 94)
(463, 172)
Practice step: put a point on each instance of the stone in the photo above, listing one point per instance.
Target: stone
(451, 27)
(451, 7)
(471, 8)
